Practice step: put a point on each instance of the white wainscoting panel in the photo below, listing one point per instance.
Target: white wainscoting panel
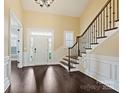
(102, 68)
(7, 70)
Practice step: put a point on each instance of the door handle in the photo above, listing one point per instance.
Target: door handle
(35, 50)
(18, 51)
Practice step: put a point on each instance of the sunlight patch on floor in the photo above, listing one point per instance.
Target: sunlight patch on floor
(30, 81)
(50, 83)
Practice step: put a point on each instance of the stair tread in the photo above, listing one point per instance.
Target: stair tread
(80, 56)
(70, 61)
(66, 64)
(94, 43)
(111, 29)
(88, 48)
(73, 57)
(83, 52)
(101, 37)
(117, 20)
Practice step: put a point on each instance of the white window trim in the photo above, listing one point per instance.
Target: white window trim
(39, 30)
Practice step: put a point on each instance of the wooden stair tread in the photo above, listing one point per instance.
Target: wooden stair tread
(88, 48)
(80, 56)
(101, 37)
(111, 29)
(94, 43)
(83, 52)
(117, 20)
(66, 64)
(70, 61)
(73, 57)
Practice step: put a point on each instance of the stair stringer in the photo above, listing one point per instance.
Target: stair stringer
(109, 34)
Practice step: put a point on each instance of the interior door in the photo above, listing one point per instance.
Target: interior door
(39, 50)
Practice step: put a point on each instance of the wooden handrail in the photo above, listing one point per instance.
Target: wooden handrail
(73, 45)
(103, 21)
(96, 17)
(92, 22)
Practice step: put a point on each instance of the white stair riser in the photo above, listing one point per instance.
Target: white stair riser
(74, 69)
(110, 33)
(101, 40)
(88, 51)
(93, 46)
(116, 24)
(72, 59)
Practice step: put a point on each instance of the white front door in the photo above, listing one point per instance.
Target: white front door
(39, 50)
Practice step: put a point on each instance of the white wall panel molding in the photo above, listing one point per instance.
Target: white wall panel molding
(102, 68)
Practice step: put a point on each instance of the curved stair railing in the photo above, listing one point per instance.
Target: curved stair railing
(104, 21)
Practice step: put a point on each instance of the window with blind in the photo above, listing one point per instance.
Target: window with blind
(69, 39)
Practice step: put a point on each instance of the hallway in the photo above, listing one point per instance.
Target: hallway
(52, 79)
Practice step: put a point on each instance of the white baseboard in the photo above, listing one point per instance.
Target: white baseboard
(7, 64)
(6, 83)
(102, 68)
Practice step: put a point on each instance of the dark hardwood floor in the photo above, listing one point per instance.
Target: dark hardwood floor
(52, 79)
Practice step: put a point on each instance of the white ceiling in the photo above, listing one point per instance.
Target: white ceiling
(61, 7)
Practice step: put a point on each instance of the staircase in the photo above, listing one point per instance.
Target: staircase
(103, 26)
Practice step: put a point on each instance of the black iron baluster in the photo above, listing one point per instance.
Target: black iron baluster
(85, 40)
(117, 9)
(96, 30)
(110, 15)
(101, 24)
(113, 13)
(88, 38)
(94, 33)
(77, 40)
(98, 26)
(106, 17)
(69, 59)
(90, 35)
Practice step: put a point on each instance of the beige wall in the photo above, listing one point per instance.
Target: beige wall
(57, 22)
(15, 6)
(90, 12)
(108, 48)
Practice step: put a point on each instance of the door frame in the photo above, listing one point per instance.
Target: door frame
(13, 17)
(27, 48)
(37, 58)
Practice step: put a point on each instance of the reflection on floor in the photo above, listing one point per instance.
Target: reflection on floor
(52, 79)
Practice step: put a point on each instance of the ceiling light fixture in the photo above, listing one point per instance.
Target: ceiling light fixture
(42, 3)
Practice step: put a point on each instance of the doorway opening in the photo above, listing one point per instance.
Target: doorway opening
(15, 39)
